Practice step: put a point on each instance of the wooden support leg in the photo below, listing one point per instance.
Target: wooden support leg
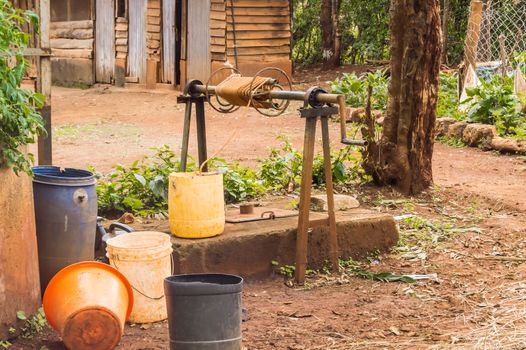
(186, 135)
(304, 207)
(327, 168)
(201, 132)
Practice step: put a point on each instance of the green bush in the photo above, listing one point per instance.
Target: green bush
(281, 171)
(494, 102)
(240, 182)
(142, 187)
(20, 123)
(448, 101)
(355, 89)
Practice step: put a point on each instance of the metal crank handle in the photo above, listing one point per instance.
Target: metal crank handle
(362, 143)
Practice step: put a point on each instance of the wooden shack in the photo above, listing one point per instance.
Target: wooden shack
(166, 41)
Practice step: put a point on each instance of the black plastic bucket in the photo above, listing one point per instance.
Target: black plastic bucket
(66, 218)
(204, 311)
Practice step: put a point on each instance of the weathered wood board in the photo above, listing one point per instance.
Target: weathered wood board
(137, 39)
(105, 41)
(198, 40)
(169, 39)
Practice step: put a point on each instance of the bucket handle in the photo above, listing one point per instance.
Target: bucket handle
(137, 290)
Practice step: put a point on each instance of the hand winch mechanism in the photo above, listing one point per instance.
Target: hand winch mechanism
(269, 92)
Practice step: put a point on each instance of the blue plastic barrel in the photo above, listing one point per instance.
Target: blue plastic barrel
(66, 218)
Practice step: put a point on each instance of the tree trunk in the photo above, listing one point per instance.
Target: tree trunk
(330, 33)
(404, 153)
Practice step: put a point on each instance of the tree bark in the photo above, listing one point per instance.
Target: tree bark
(403, 156)
(330, 32)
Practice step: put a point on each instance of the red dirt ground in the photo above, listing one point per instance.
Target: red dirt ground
(478, 272)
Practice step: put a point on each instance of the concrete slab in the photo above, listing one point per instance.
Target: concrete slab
(248, 249)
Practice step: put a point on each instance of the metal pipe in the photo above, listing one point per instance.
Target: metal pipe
(300, 96)
(278, 94)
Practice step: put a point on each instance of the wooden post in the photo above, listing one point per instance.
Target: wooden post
(334, 253)
(472, 37)
(302, 236)
(44, 82)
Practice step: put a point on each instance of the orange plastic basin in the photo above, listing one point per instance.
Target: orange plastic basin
(87, 304)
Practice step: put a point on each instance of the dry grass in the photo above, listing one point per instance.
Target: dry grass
(500, 321)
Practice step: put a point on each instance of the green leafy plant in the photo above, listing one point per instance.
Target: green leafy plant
(355, 89)
(353, 268)
(493, 102)
(448, 101)
(240, 182)
(423, 231)
(33, 325)
(451, 141)
(281, 171)
(140, 188)
(284, 270)
(20, 123)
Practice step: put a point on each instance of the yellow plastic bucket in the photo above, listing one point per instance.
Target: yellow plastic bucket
(196, 204)
(145, 259)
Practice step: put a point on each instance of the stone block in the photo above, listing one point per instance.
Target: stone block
(478, 135)
(442, 125)
(248, 249)
(455, 130)
(505, 145)
(341, 202)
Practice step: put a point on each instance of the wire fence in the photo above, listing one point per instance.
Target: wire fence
(502, 30)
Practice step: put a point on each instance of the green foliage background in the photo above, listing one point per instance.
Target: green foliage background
(364, 25)
(20, 122)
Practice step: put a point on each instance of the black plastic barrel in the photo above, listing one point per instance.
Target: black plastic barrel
(204, 311)
(66, 218)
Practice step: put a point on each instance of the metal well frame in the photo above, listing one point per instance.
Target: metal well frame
(318, 105)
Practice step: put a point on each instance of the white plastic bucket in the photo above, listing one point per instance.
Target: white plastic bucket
(145, 259)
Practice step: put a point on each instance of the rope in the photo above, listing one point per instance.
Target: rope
(247, 92)
(234, 90)
(244, 91)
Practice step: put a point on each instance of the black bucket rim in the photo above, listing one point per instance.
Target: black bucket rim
(192, 284)
(50, 175)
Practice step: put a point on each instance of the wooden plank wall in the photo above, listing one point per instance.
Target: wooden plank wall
(198, 40)
(218, 30)
(105, 39)
(168, 41)
(263, 30)
(154, 30)
(137, 49)
(72, 39)
(121, 38)
(28, 28)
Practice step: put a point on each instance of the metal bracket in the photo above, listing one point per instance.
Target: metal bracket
(306, 112)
